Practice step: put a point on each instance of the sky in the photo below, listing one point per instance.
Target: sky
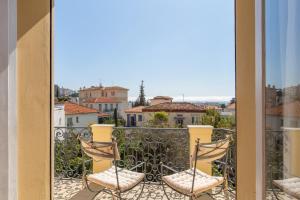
(176, 46)
(282, 43)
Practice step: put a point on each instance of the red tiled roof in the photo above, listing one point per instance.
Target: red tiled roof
(137, 109)
(174, 107)
(72, 109)
(101, 100)
(291, 109)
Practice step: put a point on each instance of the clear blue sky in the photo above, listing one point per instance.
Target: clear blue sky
(175, 46)
(283, 42)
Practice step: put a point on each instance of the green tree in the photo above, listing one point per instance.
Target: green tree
(223, 106)
(116, 117)
(225, 122)
(211, 117)
(159, 119)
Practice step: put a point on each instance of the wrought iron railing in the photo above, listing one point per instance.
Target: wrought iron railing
(67, 150)
(153, 145)
(220, 133)
(274, 156)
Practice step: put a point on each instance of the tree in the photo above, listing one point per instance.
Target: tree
(159, 119)
(213, 118)
(141, 101)
(223, 106)
(116, 117)
(225, 122)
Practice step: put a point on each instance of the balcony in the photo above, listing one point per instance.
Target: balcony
(168, 145)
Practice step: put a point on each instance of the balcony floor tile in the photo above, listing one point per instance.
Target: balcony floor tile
(66, 189)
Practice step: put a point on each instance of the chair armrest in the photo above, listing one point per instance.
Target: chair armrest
(139, 165)
(169, 168)
(220, 162)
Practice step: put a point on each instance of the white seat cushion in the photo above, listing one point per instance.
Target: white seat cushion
(182, 181)
(127, 179)
(290, 186)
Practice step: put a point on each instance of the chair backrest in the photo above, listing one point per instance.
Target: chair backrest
(209, 152)
(100, 150)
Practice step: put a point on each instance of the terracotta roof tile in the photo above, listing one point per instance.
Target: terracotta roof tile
(175, 107)
(137, 109)
(72, 109)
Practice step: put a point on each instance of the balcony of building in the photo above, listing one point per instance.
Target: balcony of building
(170, 146)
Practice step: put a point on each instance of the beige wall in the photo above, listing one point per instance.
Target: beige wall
(187, 117)
(249, 97)
(291, 149)
(121, 95)
(138, 123)
(34, 99)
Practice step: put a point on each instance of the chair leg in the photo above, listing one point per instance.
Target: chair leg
(141, 190)
(226, 194)
(164, 189)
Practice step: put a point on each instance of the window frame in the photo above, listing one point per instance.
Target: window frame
(249, 92)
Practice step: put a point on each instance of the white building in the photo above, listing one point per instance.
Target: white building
(59, 115)
(71, 114)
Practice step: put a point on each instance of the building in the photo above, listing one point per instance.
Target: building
(59, 115)
(134, 116)
(160, 99)
(106, 105)
(105, 99)
(179, 113)
(284, 115)
(229, 110)
(71, 114)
